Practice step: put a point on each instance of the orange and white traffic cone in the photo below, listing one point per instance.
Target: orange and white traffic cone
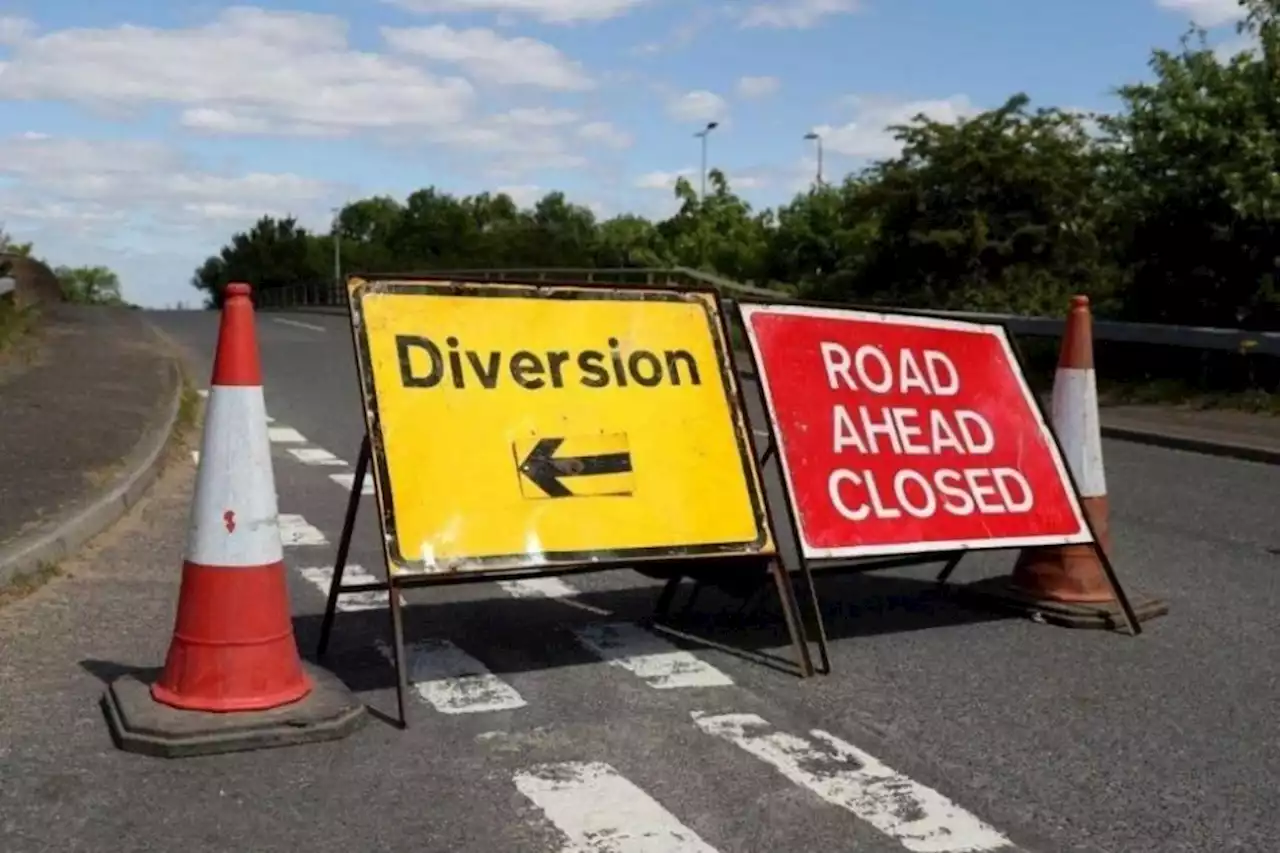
(1073, 573)
(233, 647)
(233, 679)
(1067, 584)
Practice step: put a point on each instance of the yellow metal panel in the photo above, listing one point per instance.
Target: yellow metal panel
(521, 426)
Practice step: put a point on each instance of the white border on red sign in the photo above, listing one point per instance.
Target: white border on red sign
(1082, 534)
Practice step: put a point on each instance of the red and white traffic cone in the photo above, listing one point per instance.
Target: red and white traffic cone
(1073, 573)
(1067, 584)
(233, 647)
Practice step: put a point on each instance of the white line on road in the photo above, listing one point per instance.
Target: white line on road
(452, 681)
(346, 481)
(300, 324)
(294, 531)
(321, 577)
(920, 818)
(659, 663)
(315, 456)
(600, 811)
(553, 588)
(285, 435)
(195, 456)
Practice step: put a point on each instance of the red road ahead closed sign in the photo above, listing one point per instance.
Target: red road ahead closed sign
(901, 434)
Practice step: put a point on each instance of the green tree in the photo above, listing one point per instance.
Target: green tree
(996, 212)
(1199, 181)
(96, 285)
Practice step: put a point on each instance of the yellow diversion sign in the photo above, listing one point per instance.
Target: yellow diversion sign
(516, 426)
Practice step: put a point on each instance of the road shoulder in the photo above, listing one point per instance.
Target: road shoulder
(85, 427)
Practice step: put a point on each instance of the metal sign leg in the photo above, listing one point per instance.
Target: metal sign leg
(791, 612)
(344, 546)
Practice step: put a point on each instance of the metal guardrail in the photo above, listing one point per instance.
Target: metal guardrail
(1155, 334)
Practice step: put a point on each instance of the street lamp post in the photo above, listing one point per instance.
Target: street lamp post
(702, 134)
(816, 137)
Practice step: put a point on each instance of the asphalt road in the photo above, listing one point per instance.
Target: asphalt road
(543, 717)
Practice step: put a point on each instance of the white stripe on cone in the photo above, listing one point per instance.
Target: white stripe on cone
(1074, 413)
(234, 519)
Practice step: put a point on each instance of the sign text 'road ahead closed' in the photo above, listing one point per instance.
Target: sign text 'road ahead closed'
(901, 434)
(527, 426)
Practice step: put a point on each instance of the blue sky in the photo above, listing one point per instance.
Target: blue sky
(141, 134)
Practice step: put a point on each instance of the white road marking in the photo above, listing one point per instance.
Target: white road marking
(919, 818)
(321, 577)
(660, 663)
(300, 324)
(549, 588)
(452, 681)
(315, 456)
(347, 479)
(203, 392)
(195, 456)
(286, 435)
(763, 433)
(600, 811)
(294, 530)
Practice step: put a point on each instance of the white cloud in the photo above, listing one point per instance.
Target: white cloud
(84, 184)
(13, 30)
(604, 133)
(487, 56)
(867, 136)
(698, 106)
(252, 71)
(757, 87)
(662, 180)
(524, 195)
(287, 72)
(518, 141)
(549, 11)
(1206, 13)
(796, 14)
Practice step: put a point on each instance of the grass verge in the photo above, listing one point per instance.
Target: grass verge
(23, 585)
(15, 323)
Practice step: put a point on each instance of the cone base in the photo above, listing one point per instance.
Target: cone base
(142, 725)
(1001, 595)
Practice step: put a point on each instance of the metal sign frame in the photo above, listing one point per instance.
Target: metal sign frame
(953, 555)
(763, 551)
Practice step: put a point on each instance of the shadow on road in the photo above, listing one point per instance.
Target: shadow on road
(518, 635)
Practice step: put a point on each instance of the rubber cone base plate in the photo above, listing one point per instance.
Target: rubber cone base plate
(996, 593)
(140, 724)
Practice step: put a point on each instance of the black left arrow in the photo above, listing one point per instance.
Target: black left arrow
(545, 469)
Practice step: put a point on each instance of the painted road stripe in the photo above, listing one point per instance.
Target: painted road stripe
(294, 530)
(921, 819)
(452, 681)
(315, 456)
(321, 577)
(553, 588)
(300, 324)
(345, 480)
(659, 663)
(599, 810)
(195, 456)
(285, 435)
